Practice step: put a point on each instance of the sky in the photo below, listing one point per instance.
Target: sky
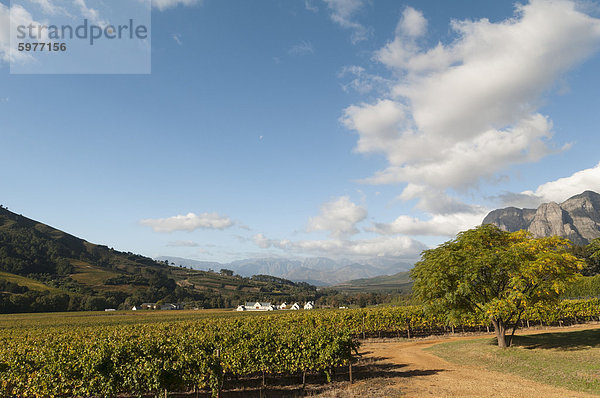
(340, 128)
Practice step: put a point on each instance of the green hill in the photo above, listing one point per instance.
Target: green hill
(397, 283)
(45, 269)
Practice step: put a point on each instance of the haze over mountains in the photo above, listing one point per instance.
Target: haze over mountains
(577, 218)
(316, 270)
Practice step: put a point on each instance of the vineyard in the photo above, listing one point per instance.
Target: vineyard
(92, 357)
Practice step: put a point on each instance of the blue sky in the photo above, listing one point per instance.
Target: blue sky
(339, 128)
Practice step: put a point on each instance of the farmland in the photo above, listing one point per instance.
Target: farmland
(105, 354)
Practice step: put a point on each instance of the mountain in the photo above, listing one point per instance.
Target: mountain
(45, 269)
(400, 282)
(318, 271)
(577, 218)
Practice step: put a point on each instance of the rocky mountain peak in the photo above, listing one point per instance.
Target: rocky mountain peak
(577, 218)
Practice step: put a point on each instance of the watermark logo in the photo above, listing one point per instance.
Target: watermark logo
(80, 37)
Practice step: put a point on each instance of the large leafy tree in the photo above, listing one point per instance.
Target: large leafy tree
(495, 272)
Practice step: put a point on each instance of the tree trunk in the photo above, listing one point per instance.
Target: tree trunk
(500, 329)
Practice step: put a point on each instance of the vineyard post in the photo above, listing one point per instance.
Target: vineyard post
(223, 378)
(350, 371)
(363, 326)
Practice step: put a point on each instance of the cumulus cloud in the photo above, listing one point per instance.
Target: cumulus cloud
(447, 215)
(339, 217)
(464, 111)
(435, 201)
(343, 13)
(555, 191)
(396, 246)
(162, 5)
(412, 23)
(189, 222)
(438, 225)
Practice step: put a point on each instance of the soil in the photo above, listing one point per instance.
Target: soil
(416, 373)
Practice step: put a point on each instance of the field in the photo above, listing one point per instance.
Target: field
(27, 282)
(177, 352)
(563, 359)
(104, 355)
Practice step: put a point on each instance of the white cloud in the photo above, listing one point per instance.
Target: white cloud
(90, 13)
(4, 33)
(177, 38)
(555, 191)
(189, 222)
(48, 7)
(339, 217)
(446, 215)
(19, 16)
(396, 246)
(362, 81)
(438, 225)
(343, 12)
(302, 48)
(465, 111)
(310, 6)
(434, 201)
(412, 23)
(183, 243)
(563, 188)
(165, 4)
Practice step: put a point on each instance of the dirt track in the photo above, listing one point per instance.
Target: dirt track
(421, 374)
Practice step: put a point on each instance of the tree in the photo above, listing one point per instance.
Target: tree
(592, 257)
(497, 273)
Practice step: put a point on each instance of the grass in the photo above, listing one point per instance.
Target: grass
(93, 276)
(568, 359)
(32, 284)
(399, 282)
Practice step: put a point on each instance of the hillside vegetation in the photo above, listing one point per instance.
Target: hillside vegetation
(45, 269)
(397, 283)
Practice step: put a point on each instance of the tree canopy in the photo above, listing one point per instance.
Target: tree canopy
(496, 272)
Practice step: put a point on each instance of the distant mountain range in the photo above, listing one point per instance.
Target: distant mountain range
(577, 218)
(319, 271)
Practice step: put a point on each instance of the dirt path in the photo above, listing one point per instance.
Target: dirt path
(421, 374)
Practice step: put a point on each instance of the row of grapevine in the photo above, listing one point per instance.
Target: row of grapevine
(106, 361)
(414, 320)
(153, 357)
